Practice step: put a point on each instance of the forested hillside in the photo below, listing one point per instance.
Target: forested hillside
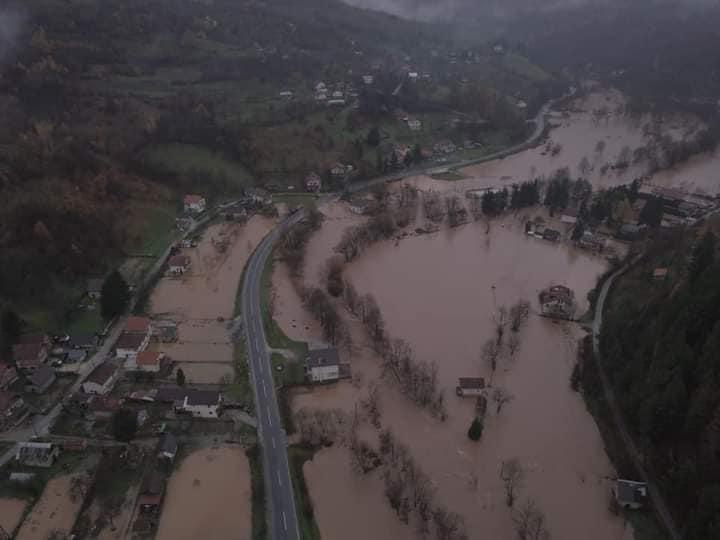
(661, 343)
(111, 110)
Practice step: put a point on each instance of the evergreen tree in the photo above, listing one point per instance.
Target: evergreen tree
(652, 212)
(417, 153)
(180, 377)
(703, 256)
(476, 430)
(124, 425)
(115, 296)
(373, 136)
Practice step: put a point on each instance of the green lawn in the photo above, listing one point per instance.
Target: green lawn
(86, 322)
(154, 230)
(307, 200)
(206, 168)
(297, 456)
(274, 334)
(259, 519)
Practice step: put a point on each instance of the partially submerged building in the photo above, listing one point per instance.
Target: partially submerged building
(470, 386)
(322, 365)
(630, 494)
(37, 454)
(557, 302)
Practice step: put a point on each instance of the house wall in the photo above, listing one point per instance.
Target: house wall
(324, 373)
(90, 387)
(471, 391)
(202, 411)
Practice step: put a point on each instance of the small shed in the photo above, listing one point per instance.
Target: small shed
(660, 274)
(630, 494)
(470, 386)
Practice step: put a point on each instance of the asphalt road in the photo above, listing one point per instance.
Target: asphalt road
(278, 483)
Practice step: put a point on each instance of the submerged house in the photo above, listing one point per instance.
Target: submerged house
(37, 454)
(630, 494)
(322, 365)
(470, 386)
(557, 302)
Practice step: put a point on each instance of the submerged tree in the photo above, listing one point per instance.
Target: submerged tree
(511, 473)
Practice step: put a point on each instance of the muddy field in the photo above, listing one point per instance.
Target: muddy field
(208, 497)
(55, 511)
(202, 300)
(11, 511)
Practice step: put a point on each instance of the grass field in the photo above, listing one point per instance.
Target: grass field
(307, 200)
(153, 229)
(206, 168)
(297, 456)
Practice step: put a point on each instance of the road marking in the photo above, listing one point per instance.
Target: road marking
(264, 389)
(269, 417)
(278, 479)
(284, 520)
(273, 442)
(257, 348)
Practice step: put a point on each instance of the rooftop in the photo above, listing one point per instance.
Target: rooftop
(179, 260)
(137, 325)
(323, 357)
(203, 397)
(471, 382)
(193, 199)
(42, 376)
(148, 358)
(130, 341)
(28, 354)
(103, 373)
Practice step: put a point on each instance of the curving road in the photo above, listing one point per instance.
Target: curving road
(278, 482)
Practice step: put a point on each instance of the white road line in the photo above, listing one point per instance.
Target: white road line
(264, 389)
(284, 520)
(273, 443)
(278, 479)
(269, 417)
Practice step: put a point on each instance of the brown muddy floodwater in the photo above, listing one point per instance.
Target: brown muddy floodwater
(55, 511)
(439, 292)
(202, 300)
(208, 497)
(11, 511)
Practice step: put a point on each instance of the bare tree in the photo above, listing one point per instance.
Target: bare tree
(501, 318)
(511, 473)
(490, 355)
(530, 522)
(584, 166)
(371, 406)
(600, 147)
(501, 396)
(448, 525)
(519, 314)
(513, 344)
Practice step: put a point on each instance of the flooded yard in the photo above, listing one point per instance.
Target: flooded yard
(55, 511)
(202, 300)
(208, 497)
(11, 511)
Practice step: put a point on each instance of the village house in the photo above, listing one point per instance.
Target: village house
(37, 454)
(194, 204)
(129, 345)
(629, 494)
(401, 152)
(138, 325)
(551, 235)
(171, 394)
(94, 288)
(557, 302)
(178, 264)
(40, 380)
(29, 356)
(313, 182)
(82, 341)
(413, 76)
(102, 406)
(167, 448)
(145, 361)
(339, 170)
(165, 331)
(444, 147)
(660, 274)
(151, 493)
(591, 241)
(470, 386)
(202, 403)
(102, 380)
(368, 79)
(12, 408)
(569, 216)
(414, 124)
(8, 375)
(629, 232)
(322, 365)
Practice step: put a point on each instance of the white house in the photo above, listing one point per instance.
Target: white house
(470, 386)
(102, 380)
(313, 182)
(129, 345)
(414, 124)
(194, 204)
(368, 79)
(37, 454)
(202, 403)
(413, 76)
(322, 365)
(147, 361)
(178, 264)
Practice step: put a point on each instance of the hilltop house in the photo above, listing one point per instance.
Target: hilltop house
(557, 302)
(129, 345)
(313, 182)
(629, 494)
(470, 386)
(146, 361)
(194, 204)
(178, 264)
(322, 365)
(37, 454)
(40, 380)
(8, 375)
(202, 403)
(102, 380)
(94, 288)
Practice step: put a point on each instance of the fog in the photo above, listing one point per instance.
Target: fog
(10, 25)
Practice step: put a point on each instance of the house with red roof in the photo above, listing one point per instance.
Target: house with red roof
(146, 361)
(194, 204)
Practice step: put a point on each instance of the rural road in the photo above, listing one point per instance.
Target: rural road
(278, 482)
(661, 509)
